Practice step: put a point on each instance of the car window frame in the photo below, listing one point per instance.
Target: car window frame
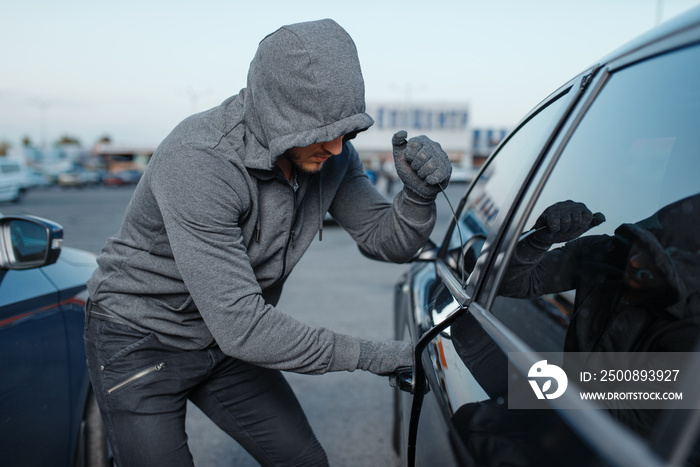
(575, 89)
(523, 206)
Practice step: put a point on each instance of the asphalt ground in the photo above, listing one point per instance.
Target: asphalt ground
(333, 286)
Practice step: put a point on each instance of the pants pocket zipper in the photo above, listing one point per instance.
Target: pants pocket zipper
(134, 377)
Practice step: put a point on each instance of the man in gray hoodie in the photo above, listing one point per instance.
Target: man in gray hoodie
(183, 303)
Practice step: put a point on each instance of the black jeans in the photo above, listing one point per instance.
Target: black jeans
(142, 388)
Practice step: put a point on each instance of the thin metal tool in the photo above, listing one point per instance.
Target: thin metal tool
(597, 219)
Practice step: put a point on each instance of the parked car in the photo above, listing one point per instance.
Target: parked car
(614, 156)
(462, 173)
(34, 179)
(48, 414)
(122, 177)
(70, 178)
(79, 178)
(11, 180)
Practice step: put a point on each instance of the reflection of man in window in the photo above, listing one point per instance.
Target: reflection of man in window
(637, 291)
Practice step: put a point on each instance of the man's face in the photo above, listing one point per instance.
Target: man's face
(311, 158)
(644, 279)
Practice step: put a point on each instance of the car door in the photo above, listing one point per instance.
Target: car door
(34, 388)
(630, 151)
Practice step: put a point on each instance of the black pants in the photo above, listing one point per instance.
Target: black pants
(142, 388)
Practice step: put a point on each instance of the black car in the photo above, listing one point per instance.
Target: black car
(48, 415)
(579, 239)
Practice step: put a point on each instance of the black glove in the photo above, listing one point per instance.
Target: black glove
(563, 221)
(421, 164)
(383, 358)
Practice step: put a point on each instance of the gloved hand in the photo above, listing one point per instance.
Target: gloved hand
(421, 164)
(562, 222)
(383, 358)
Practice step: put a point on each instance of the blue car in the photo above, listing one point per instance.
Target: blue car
(48, 414)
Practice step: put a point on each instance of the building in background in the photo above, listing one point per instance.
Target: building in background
(447, 123)
(484, 141)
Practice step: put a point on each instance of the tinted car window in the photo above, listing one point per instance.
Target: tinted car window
(497, 184)
(630, 283)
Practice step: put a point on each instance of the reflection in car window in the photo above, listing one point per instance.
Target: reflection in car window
(497, 185)
(614, 245)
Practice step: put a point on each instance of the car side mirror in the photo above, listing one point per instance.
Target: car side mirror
(28, 242)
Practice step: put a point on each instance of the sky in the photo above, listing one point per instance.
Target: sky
(133, 69)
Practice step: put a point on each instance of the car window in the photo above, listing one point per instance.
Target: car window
(497, 185)
(9, 168)
(609, 258)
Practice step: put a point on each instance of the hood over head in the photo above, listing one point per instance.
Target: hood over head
(672, 237)
(305, 86)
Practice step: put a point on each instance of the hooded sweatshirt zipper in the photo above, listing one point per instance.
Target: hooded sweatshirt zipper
(292, 231)
(320, 208)
(290, 239)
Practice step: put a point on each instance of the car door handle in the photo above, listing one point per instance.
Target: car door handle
(402, 379)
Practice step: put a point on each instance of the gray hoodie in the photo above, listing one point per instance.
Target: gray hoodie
(214, 227)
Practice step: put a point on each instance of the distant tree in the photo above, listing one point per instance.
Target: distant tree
(105, 139)
(26, 141)
(4, 147)
(65, 139)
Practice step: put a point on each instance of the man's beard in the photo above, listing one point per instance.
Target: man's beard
(296, 160)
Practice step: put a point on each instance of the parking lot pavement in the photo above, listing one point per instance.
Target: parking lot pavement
(88, 215)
